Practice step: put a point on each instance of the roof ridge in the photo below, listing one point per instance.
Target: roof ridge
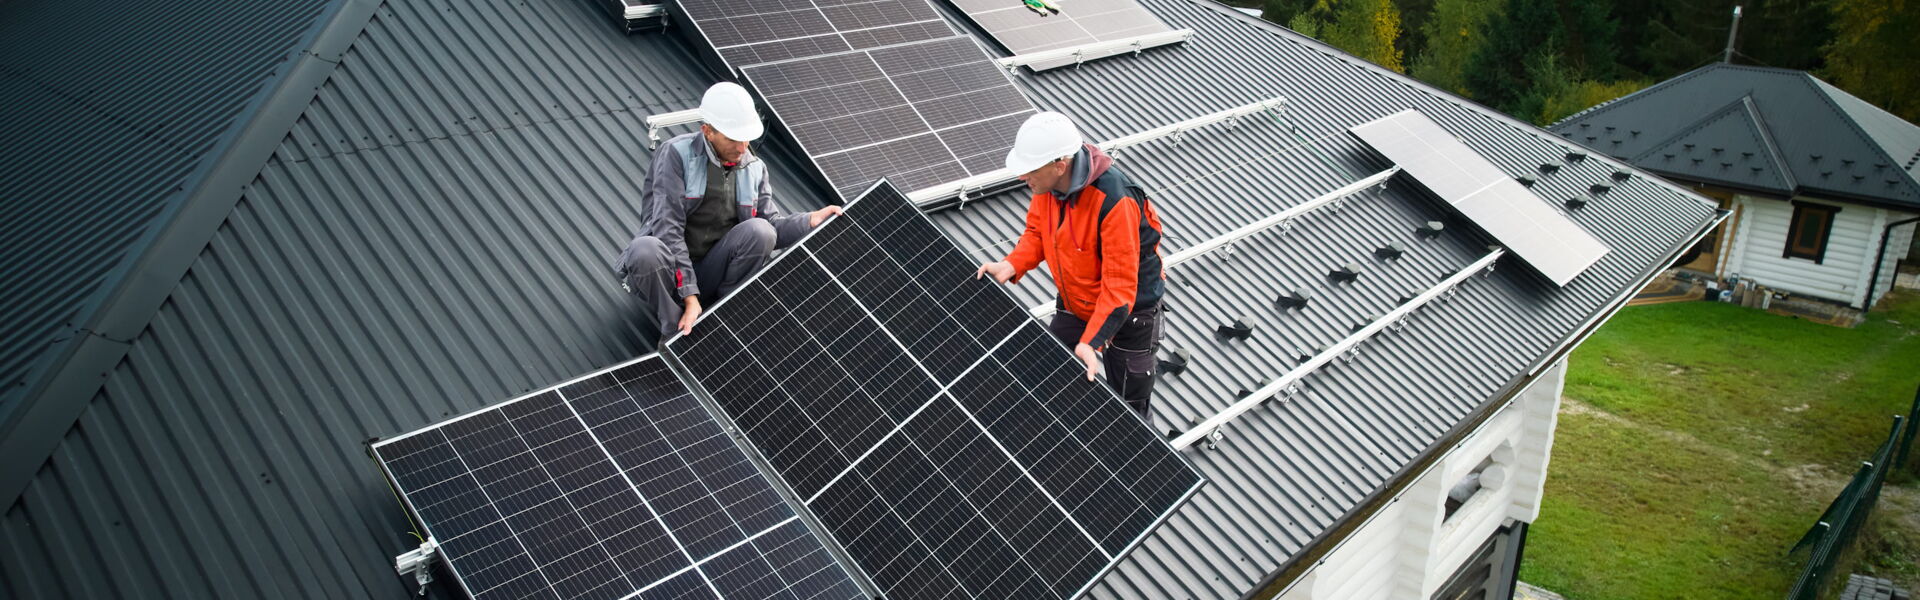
(1752, 107)
(1616, 102)
(1744, 104)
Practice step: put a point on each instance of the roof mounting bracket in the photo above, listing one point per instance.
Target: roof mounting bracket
(1083, 53)
(655, 123)
(419, 562)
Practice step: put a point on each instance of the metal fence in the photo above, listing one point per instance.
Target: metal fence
(1837, 527)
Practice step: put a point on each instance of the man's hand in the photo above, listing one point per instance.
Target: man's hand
(1086, 355)
(1001, 271)
(815, 218)
(688, 316)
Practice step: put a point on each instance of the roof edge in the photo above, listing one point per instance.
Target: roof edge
(1290, 571)
(1820, 89)
(145, 278)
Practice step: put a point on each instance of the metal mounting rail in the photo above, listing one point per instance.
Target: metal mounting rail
(1084, 52)
(644, 11)
(1211, 428)
(1001, 177)
(655, 123)
(1279, 219)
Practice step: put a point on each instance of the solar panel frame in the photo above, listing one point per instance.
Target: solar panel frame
(570, 395)
(1020, 30)
(802, 251)
(1533, 229)
(920, 114)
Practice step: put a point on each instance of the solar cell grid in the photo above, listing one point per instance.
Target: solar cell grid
(618, 483)
(986, 492)
(749, 33)
(919, 114)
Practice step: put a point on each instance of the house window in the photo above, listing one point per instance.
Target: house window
(1807, 233)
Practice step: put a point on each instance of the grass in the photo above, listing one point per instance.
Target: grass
(1700, 440)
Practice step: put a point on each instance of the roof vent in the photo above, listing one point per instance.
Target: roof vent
(1298, 298)
(1238, 329)
(1575, 156)
(1576, 203)
(1599, 188)
(1345, 274)
(1176, 362)
(1550, 168)
(1526, 180)
(1391, 251)
(1430, 230)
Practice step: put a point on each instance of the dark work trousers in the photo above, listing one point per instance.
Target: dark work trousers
(1129, 356)
(646, 268)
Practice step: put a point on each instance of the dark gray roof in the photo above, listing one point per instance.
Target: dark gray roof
(106, 136)
(430, 236)
(1775, 131)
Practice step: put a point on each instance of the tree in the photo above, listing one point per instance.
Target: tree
(1453, 32)
(1533, 41)
(1369, 29)
(1871, 53)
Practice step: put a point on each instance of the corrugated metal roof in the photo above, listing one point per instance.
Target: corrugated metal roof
(105, 127)
(1831, 142)
(432, 234)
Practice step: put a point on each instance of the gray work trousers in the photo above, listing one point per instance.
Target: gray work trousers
(646, 267)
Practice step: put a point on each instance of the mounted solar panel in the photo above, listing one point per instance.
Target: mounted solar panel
(1032, 27)
(750, 33)
(951, 445)
(618, 485)
(919, 114)
(1519, 220)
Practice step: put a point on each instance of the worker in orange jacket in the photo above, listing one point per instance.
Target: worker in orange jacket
(1100, 239)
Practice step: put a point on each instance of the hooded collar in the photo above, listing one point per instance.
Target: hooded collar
(1088, 164)
(746, 158)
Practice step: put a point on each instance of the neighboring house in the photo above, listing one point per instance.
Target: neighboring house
(242, 242)
(1822, 184)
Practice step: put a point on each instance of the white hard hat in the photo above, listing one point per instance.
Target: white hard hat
(1043, 138)
(728, 108)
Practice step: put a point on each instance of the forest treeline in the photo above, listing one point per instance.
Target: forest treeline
(1542, 60)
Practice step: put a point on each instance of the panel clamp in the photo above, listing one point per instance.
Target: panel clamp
(419, 562)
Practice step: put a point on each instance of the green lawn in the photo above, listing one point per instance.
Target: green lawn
(1700, 440)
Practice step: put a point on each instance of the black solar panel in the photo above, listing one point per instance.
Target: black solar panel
(947, 442)
(750, 33)
(616, 484)
(919, 114)
(1022, 29)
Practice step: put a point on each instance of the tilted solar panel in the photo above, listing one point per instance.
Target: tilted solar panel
(1025, 29)
(1532, 229)
(618, 485)
(753, 32)
(952, 446)
(919, 114)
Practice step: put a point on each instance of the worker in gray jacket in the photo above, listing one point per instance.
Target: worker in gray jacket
(711, 221)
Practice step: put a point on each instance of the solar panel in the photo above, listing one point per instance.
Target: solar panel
(617, 485)
(1025, 30)
(919, 114)
(749, 33)
(1519, 220)
(950, 444)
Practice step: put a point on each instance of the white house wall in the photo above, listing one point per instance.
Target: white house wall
(1897, 249)
(1842, 273)
(1409, 549)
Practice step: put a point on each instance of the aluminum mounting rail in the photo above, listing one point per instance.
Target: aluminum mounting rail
(1211, 428)
(655, 123)
(997, 178)
(1081, 53)
(1279, 219)
(644, 11)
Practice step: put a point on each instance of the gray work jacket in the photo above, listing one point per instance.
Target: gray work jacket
(677, 184)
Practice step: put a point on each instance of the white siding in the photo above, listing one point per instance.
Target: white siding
(1409, 549)
(1902, 240)
(1842, 273)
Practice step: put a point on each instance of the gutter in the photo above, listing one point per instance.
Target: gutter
(1283, 578)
